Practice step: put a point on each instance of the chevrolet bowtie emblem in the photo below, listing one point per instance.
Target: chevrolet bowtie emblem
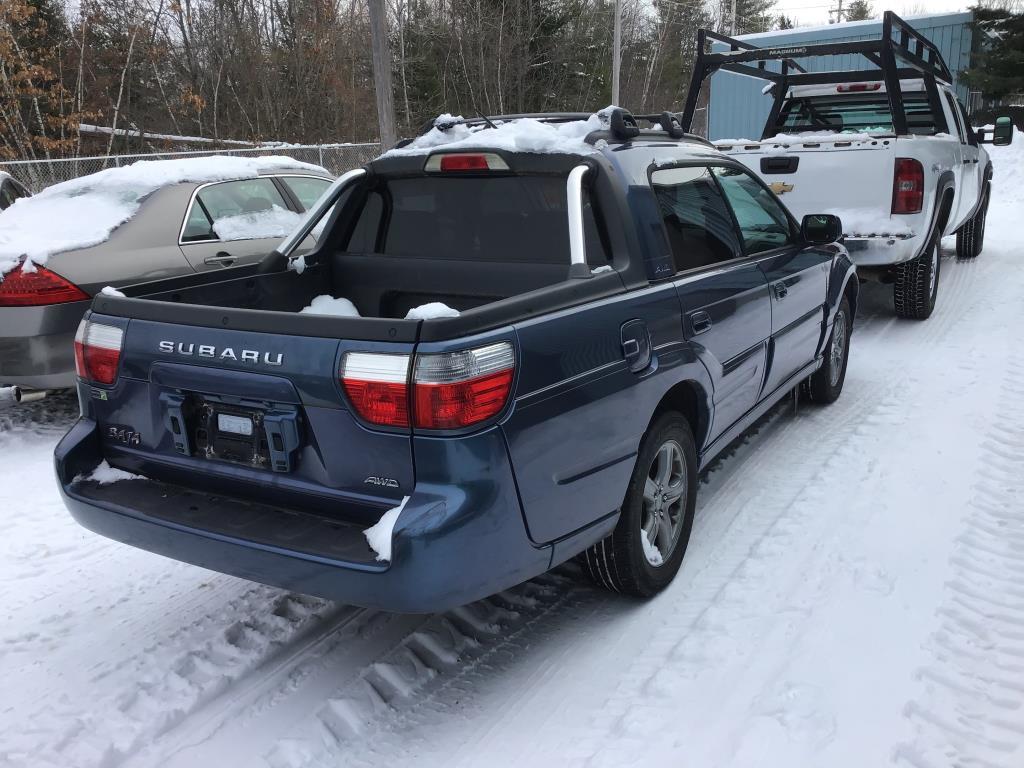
(780, 187)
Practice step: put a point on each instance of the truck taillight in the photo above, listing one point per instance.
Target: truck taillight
(38, 287)
(98, 352)
(449, 162)
(907, 186)
(450, 390)
(453, 390)
(378, 387)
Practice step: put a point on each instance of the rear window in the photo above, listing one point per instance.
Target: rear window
(502, 219)
(867, 112)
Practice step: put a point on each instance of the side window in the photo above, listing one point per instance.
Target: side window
(235, 200)
(697, 222)
(972, 138)
(306, 188)
(364, 234)
(957, 120)
(763, 222)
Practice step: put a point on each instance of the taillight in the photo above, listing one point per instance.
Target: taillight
(458, 389)
(450, 390)
(465, 161)
(40, 286)
(98, 351)
(907, 186)
(378, 387)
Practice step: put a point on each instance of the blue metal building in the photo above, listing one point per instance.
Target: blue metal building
(738, 109)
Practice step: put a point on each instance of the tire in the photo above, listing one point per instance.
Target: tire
(917, 283)
(664, 504)
(970, 238)
(980, 218)
(826, 384)
(965, 241)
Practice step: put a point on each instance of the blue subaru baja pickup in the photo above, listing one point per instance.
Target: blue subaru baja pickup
(620, 303)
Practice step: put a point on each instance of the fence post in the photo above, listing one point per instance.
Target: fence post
(320, 147)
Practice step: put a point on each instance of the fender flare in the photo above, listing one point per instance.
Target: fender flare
(946, 183)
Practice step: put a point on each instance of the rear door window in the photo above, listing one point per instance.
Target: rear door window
(697, 221)
(306, 188)
(500, 219)
(763, 222)
(238, 210)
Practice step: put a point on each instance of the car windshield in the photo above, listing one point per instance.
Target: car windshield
(853, 113)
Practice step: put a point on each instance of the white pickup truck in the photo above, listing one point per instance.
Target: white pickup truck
(889, 150)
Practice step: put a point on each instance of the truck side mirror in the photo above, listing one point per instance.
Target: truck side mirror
(821, 228)
(1002, 134)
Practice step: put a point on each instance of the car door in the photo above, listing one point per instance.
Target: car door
(723, 295)
(797, 275)
(231, 223)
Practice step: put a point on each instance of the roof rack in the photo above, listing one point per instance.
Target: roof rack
(622, 124)
(898, 41)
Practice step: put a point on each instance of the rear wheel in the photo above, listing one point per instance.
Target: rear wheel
(826, 384)
(979, 224)
(970, 238)
(917, 283)
(644, 552)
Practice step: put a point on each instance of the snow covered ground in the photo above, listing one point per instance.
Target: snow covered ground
(853, 596)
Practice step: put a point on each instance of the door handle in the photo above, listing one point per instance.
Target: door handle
(781, 291)
(223, 258)
(700, 322)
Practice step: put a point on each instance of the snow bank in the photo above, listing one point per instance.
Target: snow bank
(83, 212)
(1007, 203)
(379, 535)
(104, 474)
(868, 221)
(432, 310)
(325, 304)
(276, 222)
(523, 135)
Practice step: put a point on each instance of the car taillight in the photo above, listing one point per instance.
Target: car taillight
(458, 389)
(907, 186)
(378, 387)
(98, 351)
(38, 287)
(465, 161)
(450, 390)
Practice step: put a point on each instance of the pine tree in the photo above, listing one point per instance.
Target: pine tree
(997, 69)
(859, 10)
(783, 22)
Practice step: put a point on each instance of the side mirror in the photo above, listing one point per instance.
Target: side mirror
(1002, 134)
(821, 228)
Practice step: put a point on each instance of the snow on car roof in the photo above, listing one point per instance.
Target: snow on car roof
(523, 134)
(83, 212)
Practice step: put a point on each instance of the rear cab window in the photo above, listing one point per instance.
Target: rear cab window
(854, 112)
(482, 219)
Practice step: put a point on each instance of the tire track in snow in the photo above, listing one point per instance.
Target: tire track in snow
(972, 708)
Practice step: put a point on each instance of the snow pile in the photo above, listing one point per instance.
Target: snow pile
(523, 135)
(871, 134)
(1007, 202)
(868, 221)
(379, 535)
(111, 291)
(274, 222)
(325, 304)
(83, 212)
(430, 311)
(650, 551)
(104, 474)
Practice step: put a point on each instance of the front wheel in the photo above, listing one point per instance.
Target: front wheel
(826, 384)
(644, 552)
(917, 283)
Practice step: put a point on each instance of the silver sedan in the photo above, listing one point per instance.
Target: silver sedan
(177, 229)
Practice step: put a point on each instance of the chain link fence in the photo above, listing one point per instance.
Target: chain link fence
(39, 174)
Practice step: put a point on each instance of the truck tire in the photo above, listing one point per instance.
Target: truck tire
(970, 238)
(826, 384)
(965, 240)
(917, 283)
(644, 552)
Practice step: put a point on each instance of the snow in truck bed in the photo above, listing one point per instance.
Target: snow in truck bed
(83, 212)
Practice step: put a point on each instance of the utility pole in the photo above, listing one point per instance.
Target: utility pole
(616, 51)
(381, 54)
(732, 24)
(838, 11)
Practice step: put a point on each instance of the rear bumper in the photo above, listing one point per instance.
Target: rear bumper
(452, 544)
(882, 251)
(37, 345)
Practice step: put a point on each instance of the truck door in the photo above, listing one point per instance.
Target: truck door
(969, 189)
(797, 277)
(723, 295)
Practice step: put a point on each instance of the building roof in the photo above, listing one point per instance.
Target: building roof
(850, 28)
